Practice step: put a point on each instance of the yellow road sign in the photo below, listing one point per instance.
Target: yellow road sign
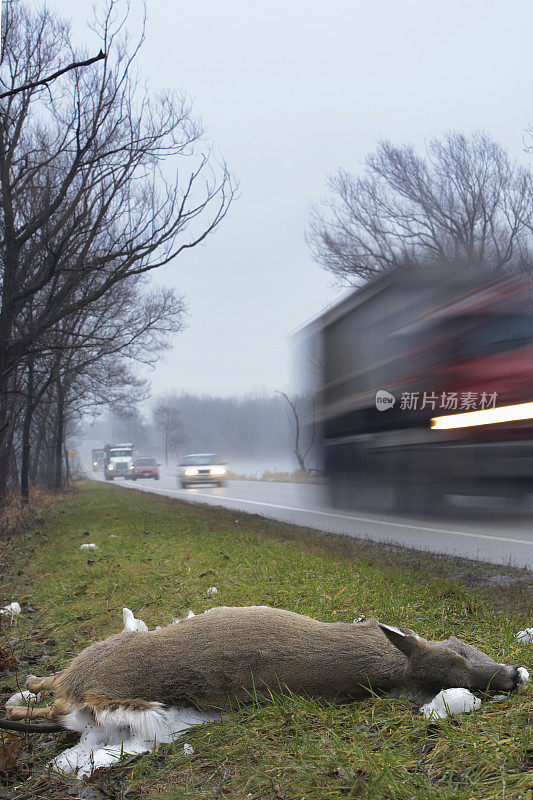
(73, 453)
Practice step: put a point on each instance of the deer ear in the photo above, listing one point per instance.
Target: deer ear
(407, 643)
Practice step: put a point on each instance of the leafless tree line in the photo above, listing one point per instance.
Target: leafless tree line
(101, 182)
(464, 201)
(254, 428)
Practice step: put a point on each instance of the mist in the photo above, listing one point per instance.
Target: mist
(252, 432)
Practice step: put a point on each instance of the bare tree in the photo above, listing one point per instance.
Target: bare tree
(301, 451)
(168, 423)
(89, 364)
(100, 181)
(463, 201)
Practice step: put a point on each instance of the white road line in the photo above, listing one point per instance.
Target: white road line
(353, 518)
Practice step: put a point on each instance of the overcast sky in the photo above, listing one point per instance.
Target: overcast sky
(289, 92)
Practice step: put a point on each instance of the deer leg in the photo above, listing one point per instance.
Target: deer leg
(23, 712)
(36, 685)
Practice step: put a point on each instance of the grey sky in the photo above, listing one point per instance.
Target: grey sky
(290, 91)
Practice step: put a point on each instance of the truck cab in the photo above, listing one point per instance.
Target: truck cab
(98, 458)
(119, 462)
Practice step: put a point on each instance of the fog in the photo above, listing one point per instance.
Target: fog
(253, 433)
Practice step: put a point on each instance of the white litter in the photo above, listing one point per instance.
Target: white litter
(90, 546)
(132, 624)
(22, 699)
(188, 749)
(523, 677)
(451, 701)
(212, 590)
(12, 610)
(180, 619)
(525, 636)
(101, 746)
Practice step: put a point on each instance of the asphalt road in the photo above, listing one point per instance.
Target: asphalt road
(495, 535)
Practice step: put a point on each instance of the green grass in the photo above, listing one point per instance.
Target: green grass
(159, 556)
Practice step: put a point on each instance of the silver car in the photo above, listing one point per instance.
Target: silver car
(201, 468)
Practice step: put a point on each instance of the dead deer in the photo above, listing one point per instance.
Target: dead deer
(233, 653)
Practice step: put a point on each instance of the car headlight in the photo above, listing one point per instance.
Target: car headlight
(95, 463)
(110, 466)
(191, 471)
(218, 470)
(132, 466)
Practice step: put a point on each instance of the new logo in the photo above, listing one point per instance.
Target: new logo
(384, 400)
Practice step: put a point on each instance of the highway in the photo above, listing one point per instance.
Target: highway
(493, 535)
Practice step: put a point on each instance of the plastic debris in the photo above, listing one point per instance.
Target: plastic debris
(101, 746)
(525, 636)
(212, 590)
(88, 546)
(22, 699)
(12, 610)
(180, 619)
(449, 702)
(132, 624)
(188, 749)
(523, 677)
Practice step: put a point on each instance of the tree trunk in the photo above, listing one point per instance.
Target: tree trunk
(7, 397)
(13, 467)
(67, 467)
(59, 432)
(6, 434)
(26, 429)
(41, 435)
(10, 255)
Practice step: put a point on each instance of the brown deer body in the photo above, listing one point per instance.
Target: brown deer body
(227, 653)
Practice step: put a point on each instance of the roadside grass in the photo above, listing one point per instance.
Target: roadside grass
(159, 556)
(297, 476)
(16, 516)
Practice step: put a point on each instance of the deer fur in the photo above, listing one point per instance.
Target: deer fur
(212, 659)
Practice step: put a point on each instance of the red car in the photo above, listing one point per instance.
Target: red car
(145, 468)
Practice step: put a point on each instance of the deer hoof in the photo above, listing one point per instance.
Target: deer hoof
(16, 712)
(32, 683)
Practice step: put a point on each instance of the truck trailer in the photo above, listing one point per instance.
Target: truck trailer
(425, 388)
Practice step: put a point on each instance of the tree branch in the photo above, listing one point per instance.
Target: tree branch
(45, 81)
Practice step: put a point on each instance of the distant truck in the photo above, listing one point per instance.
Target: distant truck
(119, 461)
(425, 388)
(98, 459)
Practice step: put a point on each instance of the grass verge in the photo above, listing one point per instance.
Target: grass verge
(159, 557)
